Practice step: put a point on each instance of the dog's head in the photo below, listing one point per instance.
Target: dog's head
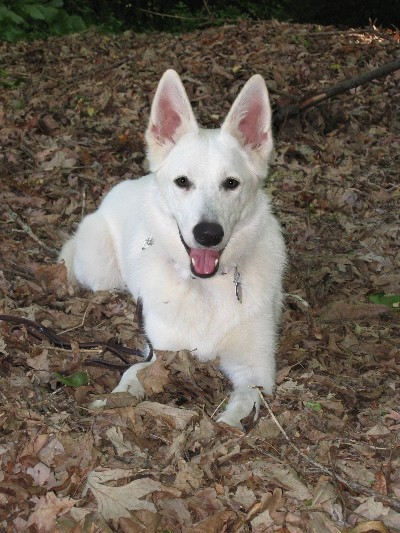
(209, 179)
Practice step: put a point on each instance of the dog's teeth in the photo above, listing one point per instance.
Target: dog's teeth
(216, 262)
(193, 262)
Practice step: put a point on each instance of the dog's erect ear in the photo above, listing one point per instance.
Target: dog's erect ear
(249, 120)
(171, 117)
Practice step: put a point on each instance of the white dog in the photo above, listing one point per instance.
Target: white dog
(196, 241)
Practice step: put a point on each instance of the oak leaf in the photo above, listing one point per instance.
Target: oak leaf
(116, 502)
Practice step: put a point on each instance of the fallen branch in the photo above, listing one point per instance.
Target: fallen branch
(352, 485)
(41, 332)
(282, 113)
(168, 15)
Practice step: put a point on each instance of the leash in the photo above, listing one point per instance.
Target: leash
(41, 332)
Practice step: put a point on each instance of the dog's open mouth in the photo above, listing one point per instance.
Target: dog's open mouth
(204, 262)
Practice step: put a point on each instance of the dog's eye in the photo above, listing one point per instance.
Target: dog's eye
(231, 183)
(182, 182)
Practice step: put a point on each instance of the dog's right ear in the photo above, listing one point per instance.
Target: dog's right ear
(171, 117)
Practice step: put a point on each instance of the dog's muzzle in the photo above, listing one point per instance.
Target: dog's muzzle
(204, 262)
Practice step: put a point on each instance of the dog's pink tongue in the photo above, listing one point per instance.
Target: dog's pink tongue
(204, 260)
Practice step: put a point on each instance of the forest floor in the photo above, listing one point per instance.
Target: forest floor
(73, 112)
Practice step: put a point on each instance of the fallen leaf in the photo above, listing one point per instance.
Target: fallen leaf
(380, 484)
(286, 477)
(60, 160)
(46, 511)
(189, 476)
(346, 311)
(42, 475)
(116, 502)
(374, 510)
(217, 523)
(116, 437)
(154, 377)
(172, 416)
(372, 526)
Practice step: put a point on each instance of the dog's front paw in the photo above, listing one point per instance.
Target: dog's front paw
(230, 420)
(131, 385)
(240, 405)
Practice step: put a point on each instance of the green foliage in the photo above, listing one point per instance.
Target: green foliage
(186, 15)
(9, 81)
(174, 15)
(78, 379)
(314, 406)
(391, 300)
(31, 19)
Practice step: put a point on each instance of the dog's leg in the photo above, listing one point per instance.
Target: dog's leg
(249, 362)
(67, 255)
(90, 256)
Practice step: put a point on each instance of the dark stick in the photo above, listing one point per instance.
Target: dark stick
(40, 331)
(282, 113)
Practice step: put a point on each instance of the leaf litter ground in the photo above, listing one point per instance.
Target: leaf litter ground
(73, 112)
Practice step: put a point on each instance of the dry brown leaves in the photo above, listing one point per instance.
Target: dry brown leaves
(71, 125)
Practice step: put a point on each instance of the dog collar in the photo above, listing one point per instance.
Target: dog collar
(238, 284)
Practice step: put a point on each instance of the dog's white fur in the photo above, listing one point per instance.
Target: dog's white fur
(182, 311)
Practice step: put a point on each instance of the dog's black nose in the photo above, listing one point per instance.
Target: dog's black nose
(208, 233)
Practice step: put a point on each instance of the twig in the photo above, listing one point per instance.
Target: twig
(385, 34)
(29, 231)
(337, 32)
(374, 32)
(180, 17)
(282, 113)
(205, 4)
(218, 406)
(352, 485)
(285, 94)
(79, 325)
(341, 32)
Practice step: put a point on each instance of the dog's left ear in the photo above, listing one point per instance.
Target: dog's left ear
(249, 121)
(171, 117)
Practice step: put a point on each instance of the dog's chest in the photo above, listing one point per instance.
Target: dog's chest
(192, 314)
